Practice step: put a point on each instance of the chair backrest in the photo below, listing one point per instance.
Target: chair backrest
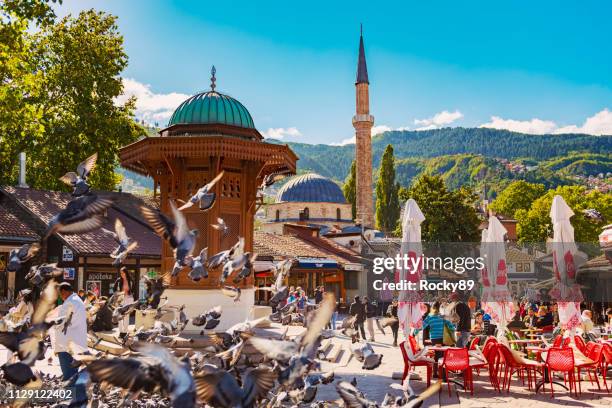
(474, 343)
(579, 343)
(596, 352)
(607, 353)
(456, 359)
(490, 339)
(587, 349)
(506, 355)
(557, 342)
(413, 344)
(402, 347)
(489, 349)
(560, 359)
(566, 342)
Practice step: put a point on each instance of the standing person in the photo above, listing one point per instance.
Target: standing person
(464, 325)
(318, 295)
(76, 332)
(435, 323)
(392, 312)
(123, 284)
(357, 309)
(370, 311)
(554, 309)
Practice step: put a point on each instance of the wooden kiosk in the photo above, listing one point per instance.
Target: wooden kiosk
(208, 133)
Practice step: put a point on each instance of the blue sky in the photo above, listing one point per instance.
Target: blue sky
(534, 66)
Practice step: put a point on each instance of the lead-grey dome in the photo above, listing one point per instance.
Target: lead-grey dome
(310, 188)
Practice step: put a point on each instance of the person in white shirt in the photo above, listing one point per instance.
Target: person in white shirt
(73, 309)
(587, 323)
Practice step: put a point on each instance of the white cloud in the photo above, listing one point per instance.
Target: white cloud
(377, 130)
(350, 140)
(598, 124)
(150, 106)
(280, 133)
(438, 120)
(534, 126)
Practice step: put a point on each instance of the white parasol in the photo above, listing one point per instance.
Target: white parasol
(565, 264)
(410, 308)
(496, 298)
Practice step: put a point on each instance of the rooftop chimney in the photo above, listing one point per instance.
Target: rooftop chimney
(22, 170)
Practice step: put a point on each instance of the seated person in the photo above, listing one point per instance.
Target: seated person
(516, 324)
(104, 318)
(478, 327)
(544, 318)
(530, 318)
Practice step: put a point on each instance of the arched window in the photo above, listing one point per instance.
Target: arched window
(306, 213)
(277, 215)
(338, 214)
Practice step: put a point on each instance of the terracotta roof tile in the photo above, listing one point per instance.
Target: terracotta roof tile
(12, 226)
(277, 246)
(44, 204)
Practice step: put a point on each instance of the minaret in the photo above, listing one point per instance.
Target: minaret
(363, 122)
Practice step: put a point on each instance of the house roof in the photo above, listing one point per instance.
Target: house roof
(12, 226)
(44, 204)
(277, 246)
(514, 255)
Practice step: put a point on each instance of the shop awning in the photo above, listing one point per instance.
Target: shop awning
(317, 263)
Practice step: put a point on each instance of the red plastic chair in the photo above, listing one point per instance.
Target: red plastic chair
(562, 360)
(457, 360)
(560, 341)
(606, 359)
(474, 343)
(408, 363)
(594, 351)
(489, 352)
(547, 329)
(579, 343)
(511, 365)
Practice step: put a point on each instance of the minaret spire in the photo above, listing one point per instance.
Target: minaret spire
(362, 67)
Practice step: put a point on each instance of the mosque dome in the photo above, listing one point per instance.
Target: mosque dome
(310, 187)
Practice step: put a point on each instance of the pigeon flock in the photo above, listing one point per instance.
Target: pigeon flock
(235, 368)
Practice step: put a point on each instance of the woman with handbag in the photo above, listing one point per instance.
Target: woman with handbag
(441, 332)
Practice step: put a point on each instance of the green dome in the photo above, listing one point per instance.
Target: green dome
(212, 107)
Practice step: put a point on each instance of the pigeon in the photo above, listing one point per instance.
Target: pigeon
(78, 180)
(232, 292)
(155, 288)
(218, 388)
(209, 319)
(176, 232)
(19, 374)
(18, 257)
(41, 274)
(198, 266)
(204, 195)
(592, 214)
(82, 214)
(237, 262)
(247, 268)
(352, 397)
(364, 353)
(273, 178)
(221, 258)
(124, 310)
(221, 226)
(126, 245)
(386, 322)
(282, 271)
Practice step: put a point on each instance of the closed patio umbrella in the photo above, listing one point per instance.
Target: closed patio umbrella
(496, 298)
(410, 306)
(566, 260)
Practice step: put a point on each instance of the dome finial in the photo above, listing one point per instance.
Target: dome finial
(213, 79)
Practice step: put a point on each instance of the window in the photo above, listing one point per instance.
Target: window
(304, 214)
(277, 215)
(338, 214)
(351, 280)
(527, 267)
(519, 267)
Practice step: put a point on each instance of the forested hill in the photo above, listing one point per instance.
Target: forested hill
(335, 161)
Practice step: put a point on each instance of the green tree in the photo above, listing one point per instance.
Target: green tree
(349, 189)
(450, 216)
(535, 226)
(67, 80)
(519, 195)
(387, 201)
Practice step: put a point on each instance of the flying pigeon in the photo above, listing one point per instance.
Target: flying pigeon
(126, 245)
(78, 180)
(204, 195)
(82, 214)
(18, 257)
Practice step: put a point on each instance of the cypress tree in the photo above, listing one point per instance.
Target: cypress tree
(349, 190)
(387, 200)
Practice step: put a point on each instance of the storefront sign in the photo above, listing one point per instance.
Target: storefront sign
(67, 255)
(98, 276)
(69, 273)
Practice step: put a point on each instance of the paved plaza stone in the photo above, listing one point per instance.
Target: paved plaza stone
(376, 383)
